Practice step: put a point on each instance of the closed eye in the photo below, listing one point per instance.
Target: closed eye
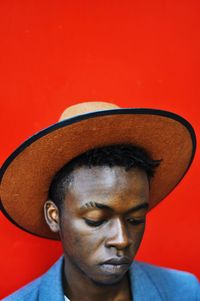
(93, 223)
(134, 221)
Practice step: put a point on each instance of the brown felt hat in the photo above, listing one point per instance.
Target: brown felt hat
(27, 173)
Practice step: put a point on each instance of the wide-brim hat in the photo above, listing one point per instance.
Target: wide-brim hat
(26, 175)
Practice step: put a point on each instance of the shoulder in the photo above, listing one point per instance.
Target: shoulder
(172, 284)
(28, 292)
(42, 288)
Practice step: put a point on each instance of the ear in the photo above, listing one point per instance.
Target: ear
(51, 214)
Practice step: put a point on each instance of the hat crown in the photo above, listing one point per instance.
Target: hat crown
(87, 107)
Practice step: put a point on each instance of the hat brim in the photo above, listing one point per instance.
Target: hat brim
(27, 173)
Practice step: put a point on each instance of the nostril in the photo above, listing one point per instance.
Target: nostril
(119, 245)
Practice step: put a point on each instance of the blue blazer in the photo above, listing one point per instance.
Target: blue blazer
(148, 283)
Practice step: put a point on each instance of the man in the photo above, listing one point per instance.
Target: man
(96, 174)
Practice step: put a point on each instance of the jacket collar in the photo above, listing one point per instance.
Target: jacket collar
(51, 288)
(142, 286)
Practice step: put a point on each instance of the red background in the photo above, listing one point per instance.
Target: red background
(134, 53)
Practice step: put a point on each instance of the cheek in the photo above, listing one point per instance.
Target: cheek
(78, 241)
(137, 235)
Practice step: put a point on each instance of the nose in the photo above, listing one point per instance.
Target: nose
(118, 236)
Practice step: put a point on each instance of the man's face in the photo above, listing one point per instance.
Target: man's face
(103, 219)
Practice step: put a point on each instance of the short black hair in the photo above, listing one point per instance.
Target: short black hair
(124, 155)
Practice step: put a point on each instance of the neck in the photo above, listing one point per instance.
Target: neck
(77, 286)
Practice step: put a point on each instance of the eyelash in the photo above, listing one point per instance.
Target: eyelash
(99, 223)
(93, 223)
(133, 221)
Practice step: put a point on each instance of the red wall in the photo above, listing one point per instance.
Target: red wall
(135, 53)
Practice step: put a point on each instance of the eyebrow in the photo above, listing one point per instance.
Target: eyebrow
(95, 205)
(139, 207)
(103, 206)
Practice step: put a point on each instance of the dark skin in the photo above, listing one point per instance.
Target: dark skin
(101, 219)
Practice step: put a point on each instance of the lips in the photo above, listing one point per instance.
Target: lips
(117, 261)
(115, 266)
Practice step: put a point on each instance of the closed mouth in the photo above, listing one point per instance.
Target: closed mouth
(115, 266)
(118, 261)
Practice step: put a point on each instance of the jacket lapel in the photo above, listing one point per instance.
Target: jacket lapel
(51, 285)
(141, 285)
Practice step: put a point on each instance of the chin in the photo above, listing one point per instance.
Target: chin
(106, 280)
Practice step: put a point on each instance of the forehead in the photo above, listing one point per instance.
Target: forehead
(105, 183)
